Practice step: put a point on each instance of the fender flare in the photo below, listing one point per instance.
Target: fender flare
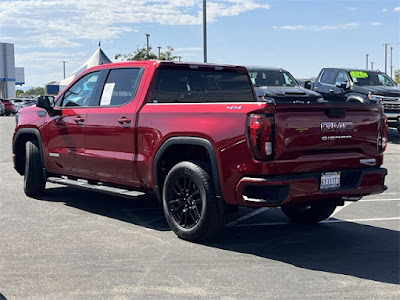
(197, 141)
(36, 133)
(356, 97)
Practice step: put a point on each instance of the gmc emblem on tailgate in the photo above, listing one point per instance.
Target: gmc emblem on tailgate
(336, 126)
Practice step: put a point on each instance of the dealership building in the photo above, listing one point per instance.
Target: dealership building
(10, 76)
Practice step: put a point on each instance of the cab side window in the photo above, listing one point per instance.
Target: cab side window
(328, 77)
(81, 93)
(341, 77)
(120, 87)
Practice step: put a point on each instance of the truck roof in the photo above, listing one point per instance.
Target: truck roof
(352, 69)
(259, 68)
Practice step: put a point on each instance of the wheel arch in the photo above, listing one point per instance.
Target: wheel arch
(179, 142)
(355, 98)
(18, 147)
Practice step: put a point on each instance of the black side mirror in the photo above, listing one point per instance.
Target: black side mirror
(44, 102)
(307, 84)
(342, 85)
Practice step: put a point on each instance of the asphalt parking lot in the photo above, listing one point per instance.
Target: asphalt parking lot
(73, 244)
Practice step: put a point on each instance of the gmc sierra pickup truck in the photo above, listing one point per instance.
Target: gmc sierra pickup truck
(364, 86)
(196, 135)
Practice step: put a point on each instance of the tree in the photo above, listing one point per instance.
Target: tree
(19, 93)
(168, 54)
(141, 54)
(397, 76)
(35, 91)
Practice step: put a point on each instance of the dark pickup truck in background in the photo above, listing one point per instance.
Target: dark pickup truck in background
(277, 85)
(357, 85)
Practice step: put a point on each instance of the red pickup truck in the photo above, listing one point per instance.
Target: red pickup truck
(196, 135)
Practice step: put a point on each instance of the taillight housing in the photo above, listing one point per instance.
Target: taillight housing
(383, 136)
(261, 133)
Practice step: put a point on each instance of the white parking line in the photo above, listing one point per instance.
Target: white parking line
(379, 200)
(327, 221)
(339, 208)
(245, 217)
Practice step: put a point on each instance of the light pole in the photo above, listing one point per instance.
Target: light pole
(366, 64)
(147, 47)
(204, 31)
(391, 59)
(179, 58)
(385, 57)
(159, 52)
(64, 62)
(372, 65)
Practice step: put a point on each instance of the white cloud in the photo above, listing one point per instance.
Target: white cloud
(376, 24)
(397, 8)
(344, 26)
(66, 23)
(351, 8)
(384, 10)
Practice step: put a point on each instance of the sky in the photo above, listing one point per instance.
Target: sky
(301, 36)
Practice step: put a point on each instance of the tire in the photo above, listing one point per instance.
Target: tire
(34, 179)
(7, 113)
(190, 205)
(312, 214)
(398, 130)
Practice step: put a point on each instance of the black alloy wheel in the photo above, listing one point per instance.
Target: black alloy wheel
(186, 204)
(190, 205)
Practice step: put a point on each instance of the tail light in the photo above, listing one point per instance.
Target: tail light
(383, 137)
(260, 131)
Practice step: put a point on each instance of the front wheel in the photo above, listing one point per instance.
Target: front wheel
(190, 205)
(308, 214)
(34, 179)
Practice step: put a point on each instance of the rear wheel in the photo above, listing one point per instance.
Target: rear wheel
(308, 214)
(190, 205)
(34, 179)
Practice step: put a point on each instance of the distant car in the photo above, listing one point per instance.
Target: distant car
(21, 103)
(2, 109)
(9, 107)
(277, 85)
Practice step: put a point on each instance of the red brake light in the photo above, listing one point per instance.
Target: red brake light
(260, 135)
(383, 136)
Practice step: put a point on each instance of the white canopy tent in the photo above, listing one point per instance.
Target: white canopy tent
(98, 58)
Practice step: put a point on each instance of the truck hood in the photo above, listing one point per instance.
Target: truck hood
(287, 93)
(388, 91)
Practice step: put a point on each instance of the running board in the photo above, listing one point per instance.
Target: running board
(95, 187)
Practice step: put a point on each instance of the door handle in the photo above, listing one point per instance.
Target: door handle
(124, 121)
(79, 120)
(331, 90)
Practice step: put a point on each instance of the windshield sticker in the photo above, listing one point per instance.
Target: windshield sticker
(358, 74)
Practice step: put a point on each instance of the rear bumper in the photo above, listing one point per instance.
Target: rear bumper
(393, 118)
(305, 188)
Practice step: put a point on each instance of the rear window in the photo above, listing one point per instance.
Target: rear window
(194, 86)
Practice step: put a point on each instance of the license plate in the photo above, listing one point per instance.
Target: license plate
(330, 180)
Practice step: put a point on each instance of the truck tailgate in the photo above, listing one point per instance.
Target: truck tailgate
(306, 132)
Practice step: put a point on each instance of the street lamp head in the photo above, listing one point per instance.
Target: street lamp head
(147, 34)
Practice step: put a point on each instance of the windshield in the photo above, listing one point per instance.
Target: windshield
(272, 78)
(364, 78)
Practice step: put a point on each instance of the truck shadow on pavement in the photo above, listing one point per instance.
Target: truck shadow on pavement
(393, 136)
(352, 249)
